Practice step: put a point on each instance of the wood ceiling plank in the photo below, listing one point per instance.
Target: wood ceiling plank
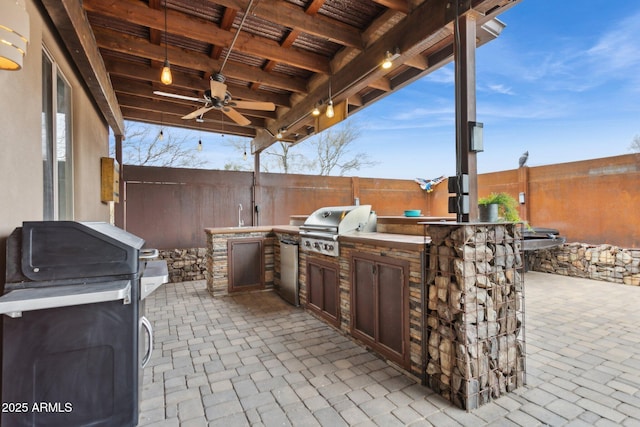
(399, 5)
(74, 29)
(131, 45)
(182, 82)
(147, 104)
(139, 13)
(291, 16)
(412, 35)
(209, 124)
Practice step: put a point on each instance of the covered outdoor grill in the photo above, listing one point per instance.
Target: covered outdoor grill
(73, 332)
(320, 231)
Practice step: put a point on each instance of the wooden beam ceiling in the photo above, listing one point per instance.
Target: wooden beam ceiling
(286, 53)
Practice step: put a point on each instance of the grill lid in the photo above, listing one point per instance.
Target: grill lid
(53, 250)
(337, 219)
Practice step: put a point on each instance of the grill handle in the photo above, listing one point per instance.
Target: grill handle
(148, 254)
(147, 326)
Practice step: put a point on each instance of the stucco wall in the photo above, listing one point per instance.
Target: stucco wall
(21, 153)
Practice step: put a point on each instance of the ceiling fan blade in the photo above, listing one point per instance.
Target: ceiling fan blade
(236, 117)
(177, 96)
(218, 89)
(198, 112)
(255, 105)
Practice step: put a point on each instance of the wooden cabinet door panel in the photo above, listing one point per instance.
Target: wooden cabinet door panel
(390, 301)
(364, 297)
(330, 291)
(323, 290)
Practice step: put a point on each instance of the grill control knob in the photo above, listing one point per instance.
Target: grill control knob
(307, 243)
(328, 247)
(316, 245)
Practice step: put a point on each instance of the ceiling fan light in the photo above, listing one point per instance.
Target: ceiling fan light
(166, 77)
(330, 113)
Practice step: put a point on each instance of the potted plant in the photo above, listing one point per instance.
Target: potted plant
(498, 206)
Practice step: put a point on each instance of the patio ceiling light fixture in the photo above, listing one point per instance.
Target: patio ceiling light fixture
(389, 57)
(14, 34)
(316, 110)
(166, 77)
(330, 113)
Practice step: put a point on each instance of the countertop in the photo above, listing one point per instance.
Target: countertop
(399, 241)
(239, 230)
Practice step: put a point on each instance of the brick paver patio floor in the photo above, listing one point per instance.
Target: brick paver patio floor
(255, 360)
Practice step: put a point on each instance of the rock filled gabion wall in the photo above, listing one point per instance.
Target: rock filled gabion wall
(600, 262)
(475, 312)
(185, 264)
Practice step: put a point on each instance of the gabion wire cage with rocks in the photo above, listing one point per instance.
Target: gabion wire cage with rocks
(475, 311)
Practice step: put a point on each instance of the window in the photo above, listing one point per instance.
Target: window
(57, 155)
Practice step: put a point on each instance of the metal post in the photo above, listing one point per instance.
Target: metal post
(465, 83)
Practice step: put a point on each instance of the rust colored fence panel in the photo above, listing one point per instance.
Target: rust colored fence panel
(594, 201)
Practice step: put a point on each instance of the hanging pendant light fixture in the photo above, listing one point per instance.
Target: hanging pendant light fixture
(161, 133)
(330, 113)
(200, 145)
(14, 34)
(166, 77)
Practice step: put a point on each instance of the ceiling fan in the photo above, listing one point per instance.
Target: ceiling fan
(217, 97)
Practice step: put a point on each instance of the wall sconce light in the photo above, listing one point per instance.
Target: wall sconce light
(475, 137)
(166, 77)
(389, 57)
(14, 34)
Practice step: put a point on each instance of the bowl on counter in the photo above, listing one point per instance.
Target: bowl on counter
(412, 212)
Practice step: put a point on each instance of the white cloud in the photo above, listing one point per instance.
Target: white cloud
(501, 89)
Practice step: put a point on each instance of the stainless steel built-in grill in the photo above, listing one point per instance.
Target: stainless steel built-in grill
(74, 330)
(321, 230)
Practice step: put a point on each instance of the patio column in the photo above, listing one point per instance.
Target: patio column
(256, 191)
(465, 83)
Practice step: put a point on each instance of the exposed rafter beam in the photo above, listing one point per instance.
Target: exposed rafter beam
(137, 46)
(183, 81)
(71, 22)
(412, 36)
(291, 16)
(137, 12)
(209, 125)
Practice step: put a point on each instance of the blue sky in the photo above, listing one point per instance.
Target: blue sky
(562, 81)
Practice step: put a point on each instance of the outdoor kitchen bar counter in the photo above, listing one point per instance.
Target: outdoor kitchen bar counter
(446, 305)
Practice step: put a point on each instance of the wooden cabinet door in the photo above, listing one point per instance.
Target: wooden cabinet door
(323, 290)
(245, 264)
(380, 305)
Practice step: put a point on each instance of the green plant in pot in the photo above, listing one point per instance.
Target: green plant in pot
(498, 207)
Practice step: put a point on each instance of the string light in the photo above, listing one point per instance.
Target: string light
(166, 77)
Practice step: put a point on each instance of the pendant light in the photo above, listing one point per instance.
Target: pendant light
(14, 34)
(199, 144)
(161, 133)
(166, 77)
(330, 113)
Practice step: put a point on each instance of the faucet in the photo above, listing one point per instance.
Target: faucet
(240, 221)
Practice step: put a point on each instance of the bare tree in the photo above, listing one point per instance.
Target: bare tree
(143, 146)
(333, 151)
(285, 158)
(635, 144)
(331, 154)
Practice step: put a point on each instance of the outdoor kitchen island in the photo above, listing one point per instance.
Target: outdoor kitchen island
(447, 305)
